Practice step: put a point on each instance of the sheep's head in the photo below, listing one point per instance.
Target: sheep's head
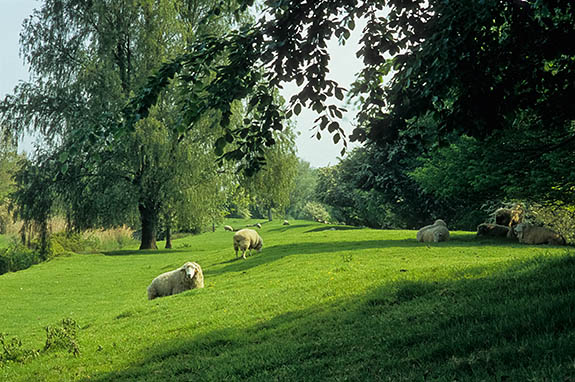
(259, 245)
(190, 269)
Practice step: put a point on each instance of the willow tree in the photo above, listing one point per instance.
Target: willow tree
(86, 59)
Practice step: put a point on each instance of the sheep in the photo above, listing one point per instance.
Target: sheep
(247, 239)
(433, 233)
(259, 225)
(228, 228)
(495, 230)
(285, 222)
(188, 276)
(529, 234)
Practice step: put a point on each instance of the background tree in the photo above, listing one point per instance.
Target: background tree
(271, 187)
(87, 58)
(496, 71)
(10, 162)
(303, 190)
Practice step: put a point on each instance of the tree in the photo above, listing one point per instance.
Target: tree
(10, 162)
(304, 189)
(476, 68)
(271, 187)
(87, 58)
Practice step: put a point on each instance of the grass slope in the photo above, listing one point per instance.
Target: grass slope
(315, 304)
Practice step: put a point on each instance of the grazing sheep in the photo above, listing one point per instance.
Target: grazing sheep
(259, 225)
(433, 233)
(188, 276)
(228, 228)
(286, 222)
(247, 239)
(529, 234)
(494, 230)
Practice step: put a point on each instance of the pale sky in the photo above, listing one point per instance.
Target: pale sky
(343, 67)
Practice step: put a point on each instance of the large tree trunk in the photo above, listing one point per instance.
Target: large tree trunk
(149, 219)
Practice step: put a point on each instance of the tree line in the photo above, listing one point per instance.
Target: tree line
(148, 109)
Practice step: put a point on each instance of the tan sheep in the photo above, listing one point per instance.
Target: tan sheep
(188, 276)
(228, 228)
(247, 239)
(529, 234)
(435, 232)
(493, 230)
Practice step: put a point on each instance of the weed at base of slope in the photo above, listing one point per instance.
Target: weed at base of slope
(62, 337)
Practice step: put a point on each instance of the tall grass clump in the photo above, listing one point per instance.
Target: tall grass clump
(110, 239)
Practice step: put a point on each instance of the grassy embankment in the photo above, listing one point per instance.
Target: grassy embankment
(315, 304)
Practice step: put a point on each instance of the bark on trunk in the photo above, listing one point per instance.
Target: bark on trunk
(149, 219)
(168, 237)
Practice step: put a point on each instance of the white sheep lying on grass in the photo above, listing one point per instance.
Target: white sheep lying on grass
(286, 222)
(228, 228)
(188, 276)
(435, 232)
(247, 239)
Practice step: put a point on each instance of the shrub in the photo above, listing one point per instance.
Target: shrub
(13, 351)
(316, 211)
(64, 337)
(17, 257)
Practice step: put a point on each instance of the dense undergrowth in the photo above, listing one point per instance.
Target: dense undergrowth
(318, 303)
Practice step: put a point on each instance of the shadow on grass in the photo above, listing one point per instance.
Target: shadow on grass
(333, 228)
(131, 252)
(284, 228)
(515, 325)
(277, 252)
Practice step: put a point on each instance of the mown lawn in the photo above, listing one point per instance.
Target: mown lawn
(315, 304)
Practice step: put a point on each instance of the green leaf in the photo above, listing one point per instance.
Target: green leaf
(297, 109)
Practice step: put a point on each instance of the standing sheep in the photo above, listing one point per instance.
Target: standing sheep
(247, 239)
(433, 233)
(529, 234)
(286, 222)
(228, 228)
(188, 276)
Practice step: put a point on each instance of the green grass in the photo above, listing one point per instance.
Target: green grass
(315, 304)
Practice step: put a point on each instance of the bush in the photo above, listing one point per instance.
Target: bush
(17, 257)
(315, 211)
